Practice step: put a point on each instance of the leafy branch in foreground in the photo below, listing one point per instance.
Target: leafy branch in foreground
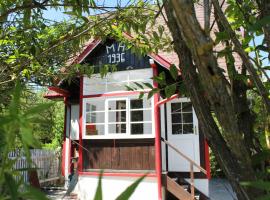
(16, 127)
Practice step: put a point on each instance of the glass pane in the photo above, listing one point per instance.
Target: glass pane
(188, 128)
(137, 129)
(94, 85)
(117, 128)
(147, 128)
(111, 87)
(137, 116)
(117, 116)
(176, 129)
(117, 105)
(176, 107)
(117, 76)
(186, 107)
(98, 117)
(92, 129)
(136, 103)
(141, 74)
(96, 105)
(176, 118)
(187, 118)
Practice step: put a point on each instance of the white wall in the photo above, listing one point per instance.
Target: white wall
(114, 186)
(202, 185)
(74, 122)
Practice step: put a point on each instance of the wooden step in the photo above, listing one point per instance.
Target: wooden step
(177, 190)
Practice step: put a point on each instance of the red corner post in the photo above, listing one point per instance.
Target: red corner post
(80, 161)
(157, 133)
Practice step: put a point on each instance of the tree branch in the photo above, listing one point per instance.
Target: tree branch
(238, 48)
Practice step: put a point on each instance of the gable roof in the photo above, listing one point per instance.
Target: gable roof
(92, 45)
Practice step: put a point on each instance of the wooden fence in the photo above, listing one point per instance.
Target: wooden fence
(46, 162)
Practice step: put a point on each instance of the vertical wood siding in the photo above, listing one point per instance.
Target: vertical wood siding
(134, 154)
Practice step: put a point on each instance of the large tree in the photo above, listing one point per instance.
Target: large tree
(31, 46)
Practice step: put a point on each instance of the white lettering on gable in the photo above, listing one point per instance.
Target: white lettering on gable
(116, 57)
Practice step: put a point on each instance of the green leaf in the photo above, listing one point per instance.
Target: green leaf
(170, 90)
(174, 71)
(264, 185)
(130, 190)
(141, 95)
(260, 157)
(98, 195)
(149, 85)
(139, 85)
(11, 186)
(152, 92)
(160, 79)
(42, 107)
(129, 88)
(33, 193)
(260, 23)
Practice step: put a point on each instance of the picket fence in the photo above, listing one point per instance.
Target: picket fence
(46, 162)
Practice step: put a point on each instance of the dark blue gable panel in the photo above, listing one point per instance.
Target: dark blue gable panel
(113, 52)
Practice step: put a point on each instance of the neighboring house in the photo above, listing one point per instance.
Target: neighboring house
(109, 128)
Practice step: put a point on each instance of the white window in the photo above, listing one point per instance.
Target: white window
(182, 121)
(123, 117)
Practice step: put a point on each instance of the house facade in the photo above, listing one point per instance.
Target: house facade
(126, 135)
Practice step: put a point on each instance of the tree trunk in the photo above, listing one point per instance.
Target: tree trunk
(236, 165)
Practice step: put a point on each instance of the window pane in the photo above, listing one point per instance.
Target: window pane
(176, 129)
(112, 87)
(92, 129)
(186, 107)
(176, 118)
(117, 116)
(117, 105)
(137, 115)
(188, 128)
(98, 117)
(97, 105)
(137, 129)
(117, 128)
(176, 107)
(187, 118)
(147, 128)
(136, 103)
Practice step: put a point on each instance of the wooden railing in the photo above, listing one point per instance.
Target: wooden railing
(192, 164)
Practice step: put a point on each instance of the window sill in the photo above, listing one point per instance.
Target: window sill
(118, 136)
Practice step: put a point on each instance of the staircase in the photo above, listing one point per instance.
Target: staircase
(181, 189)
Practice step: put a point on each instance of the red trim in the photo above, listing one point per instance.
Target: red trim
(80, 161)
(157, 135)
(64, 141)
(160, 60)
(59, 91)
(116, 174)
(167, 100)
(53, 96)
(113, 94)
(207, 159)
(87, 51)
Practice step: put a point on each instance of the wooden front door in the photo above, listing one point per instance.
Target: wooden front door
(183, 134)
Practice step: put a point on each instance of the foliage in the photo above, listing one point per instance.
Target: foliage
(35, 49)
(17, 125)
